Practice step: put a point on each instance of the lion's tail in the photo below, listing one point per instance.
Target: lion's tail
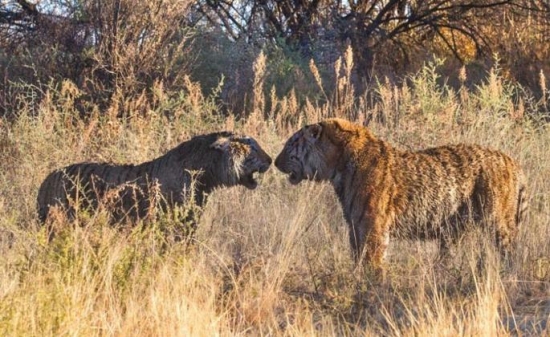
(522, 201)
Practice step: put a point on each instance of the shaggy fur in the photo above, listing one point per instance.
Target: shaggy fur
(425, 194)
(194, 168)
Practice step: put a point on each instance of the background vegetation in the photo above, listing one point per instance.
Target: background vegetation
(117, 49)
(124, 81)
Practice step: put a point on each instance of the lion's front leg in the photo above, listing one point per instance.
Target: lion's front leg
(369, 240)
(357, 235)
(376, 246)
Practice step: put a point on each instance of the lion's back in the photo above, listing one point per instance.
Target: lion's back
(82, 183)
(456, 181)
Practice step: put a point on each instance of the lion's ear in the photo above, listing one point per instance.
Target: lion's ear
(221, 144)
(314, 131)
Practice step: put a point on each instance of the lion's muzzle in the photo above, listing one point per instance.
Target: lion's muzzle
(283, 165)
(249, 179)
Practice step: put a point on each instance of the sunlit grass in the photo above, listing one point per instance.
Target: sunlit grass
(274, 261)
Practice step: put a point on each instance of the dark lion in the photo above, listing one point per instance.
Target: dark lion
(425, 194)
(189, 171)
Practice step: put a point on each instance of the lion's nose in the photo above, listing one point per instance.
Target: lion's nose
(265, 167)
(279, 163)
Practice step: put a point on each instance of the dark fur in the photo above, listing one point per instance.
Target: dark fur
(216, 160)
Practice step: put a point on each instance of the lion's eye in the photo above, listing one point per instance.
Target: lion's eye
(293, 157)
(247, 140)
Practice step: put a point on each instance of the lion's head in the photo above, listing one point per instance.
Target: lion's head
(309, 154)
(314, 151)
(244, 158)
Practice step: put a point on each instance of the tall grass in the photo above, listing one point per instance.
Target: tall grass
(274, 261)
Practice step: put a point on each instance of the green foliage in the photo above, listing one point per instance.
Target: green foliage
(288, 70)
(430, 95)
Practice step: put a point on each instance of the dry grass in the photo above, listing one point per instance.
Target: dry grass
(274, 261)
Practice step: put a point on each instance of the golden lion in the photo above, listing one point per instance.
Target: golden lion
(424, 194)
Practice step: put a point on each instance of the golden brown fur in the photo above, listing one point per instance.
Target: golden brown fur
(425, 194)
(218, 159)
